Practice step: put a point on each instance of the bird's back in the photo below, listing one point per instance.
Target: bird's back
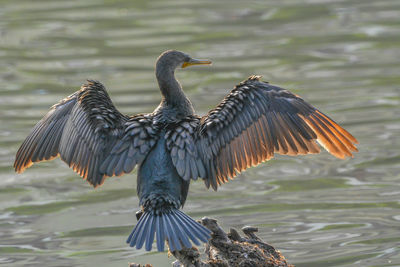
(162, 192)
(158, 180)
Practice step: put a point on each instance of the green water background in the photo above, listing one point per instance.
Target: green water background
(342, 56)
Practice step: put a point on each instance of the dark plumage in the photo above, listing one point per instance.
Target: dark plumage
(173, 145)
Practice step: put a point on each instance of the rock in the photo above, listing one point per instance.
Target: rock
(229, 249)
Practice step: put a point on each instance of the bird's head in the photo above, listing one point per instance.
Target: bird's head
(173, 59)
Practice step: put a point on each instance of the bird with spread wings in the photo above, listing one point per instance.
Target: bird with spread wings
(172, 145)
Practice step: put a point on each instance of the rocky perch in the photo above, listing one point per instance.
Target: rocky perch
(229, 249)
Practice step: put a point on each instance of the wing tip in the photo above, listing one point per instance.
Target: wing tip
(331, 136)
(20, 167)
(19, 170)
(95, 183)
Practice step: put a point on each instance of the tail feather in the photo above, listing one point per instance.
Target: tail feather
(138, 226)
(159, 234)
(150, 234)
(144, 233)
(181, 232)
(174, 226)
(201, 232)
(168, 232)
(189, 230)
(173, 240)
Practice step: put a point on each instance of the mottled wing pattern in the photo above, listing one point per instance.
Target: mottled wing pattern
(139, 136)
(91, 130)
(257, 120)
(82, 129)
(181, 144)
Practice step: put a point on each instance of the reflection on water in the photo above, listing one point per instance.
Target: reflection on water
(319, 211)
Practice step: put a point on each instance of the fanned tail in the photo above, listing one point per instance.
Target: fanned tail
(174, 226)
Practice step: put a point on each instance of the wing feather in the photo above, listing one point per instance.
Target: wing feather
(257, 120)
(184, 153)
(83, 129)
(139, 136)
(31, 149)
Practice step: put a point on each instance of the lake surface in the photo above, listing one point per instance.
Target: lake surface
(341, 56)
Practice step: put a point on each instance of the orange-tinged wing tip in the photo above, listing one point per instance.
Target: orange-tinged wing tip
(339, 128)
(331, 136)
(21, 168)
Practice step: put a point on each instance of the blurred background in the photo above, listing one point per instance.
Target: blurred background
(341, 56)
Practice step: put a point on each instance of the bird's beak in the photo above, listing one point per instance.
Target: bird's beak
(192, 62)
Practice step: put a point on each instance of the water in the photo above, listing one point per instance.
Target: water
(342, 56)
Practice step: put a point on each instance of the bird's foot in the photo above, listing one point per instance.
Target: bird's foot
(139, 214)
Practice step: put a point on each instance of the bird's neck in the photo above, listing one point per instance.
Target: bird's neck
(170, 88)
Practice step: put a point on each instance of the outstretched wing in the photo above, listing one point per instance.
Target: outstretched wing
(255, 121)
(82, 129)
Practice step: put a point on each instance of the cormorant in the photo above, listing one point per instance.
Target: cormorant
(172, 145)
